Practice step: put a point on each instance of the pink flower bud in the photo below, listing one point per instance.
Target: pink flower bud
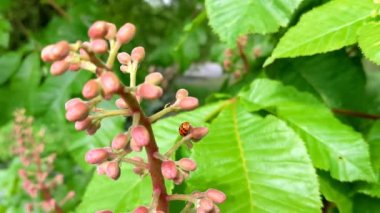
(120, 141)
(93, 128)
(104, 211)
(59, 67)
(113, 170)
(123, 58)
(22, 173)
(169, 169)
(154, 78)
(181, 94)
(149, 91)
(97, 30)
(46, 53)
(99, 46)
(83, 124)
(206, 204)
(138, 54)
(198, 133)
(84, 55)
(134, 146)
(60, 50)
(215, 195)
(126, 33)
(179, 179)
(120, 103)
(111, 31)
(187, 164)
(96, 156)
(59, 179)
(72, 102)
(77, 112)
(188, 103)
(141, 209)
(74, 67)
(110, 83)
(138, 171)
(140, 135)
(101, 168)
(91, 89)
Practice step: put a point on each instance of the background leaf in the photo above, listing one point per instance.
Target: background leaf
(369, 41)
(241, 148)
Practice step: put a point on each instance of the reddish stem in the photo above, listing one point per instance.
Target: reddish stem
(158, 181)
(47, 196)
(243, 57)
(356, 114)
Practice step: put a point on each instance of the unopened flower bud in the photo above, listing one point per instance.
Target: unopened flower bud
(188, 103)
(101, 168)
(154, 78)
(140, 135)
(179, 179)
(97, 30)
(113, 170)
(74, 67)
(120, 141)
(99, 46)
(110, 83)
(138, 54)
(93, 128)
(96, 156)
(169, 169)
(59, 67)
(104, 211)
(149, 91)
(84, 55)
(83, 124)
(134, 146)
(141, 209)
(198, 133)
(46, 53)
(126, 33)
(91, 89)
(215, 195)
(206, 204)
(120, 103)
(77, 112)
(60, 50)
(72, 102)
(123, 58)
(181, 94)
(187, 164)
(111, 31)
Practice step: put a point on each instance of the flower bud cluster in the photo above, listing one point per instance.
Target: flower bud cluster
(29, 148)
(105, 38)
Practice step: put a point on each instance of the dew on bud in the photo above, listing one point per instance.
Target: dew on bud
(154, 78)
(91, 89)
(97, 30)
(149, 91)
(181, 94)
(60, 50)
(110, 83)
(111, 31)
(59, 67)
(206, 204)
(123, 58)
(96, 156)
(140, 135)
(99, 46)
(138, 54)
(83, 124)
(141, 209)
(113, 170)
(188, 103)
(126, 33)
(215, 195)
(187, 164)
(120, 103)
(198, 133)
(120, 141)
(77, 112)
(169, 169)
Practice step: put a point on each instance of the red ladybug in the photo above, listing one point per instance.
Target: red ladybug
(184, 129)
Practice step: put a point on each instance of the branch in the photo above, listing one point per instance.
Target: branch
(243, 57)
(356, 114)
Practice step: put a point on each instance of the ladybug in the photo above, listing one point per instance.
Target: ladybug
(184, 129)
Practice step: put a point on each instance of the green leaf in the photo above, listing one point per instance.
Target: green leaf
(261, 165)
(125, 194)
(233, 18)
(373, 189)
(9, 62)
(369, 41)
(365, 204)
(326, 28)
(336, 192)
(332, 145)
